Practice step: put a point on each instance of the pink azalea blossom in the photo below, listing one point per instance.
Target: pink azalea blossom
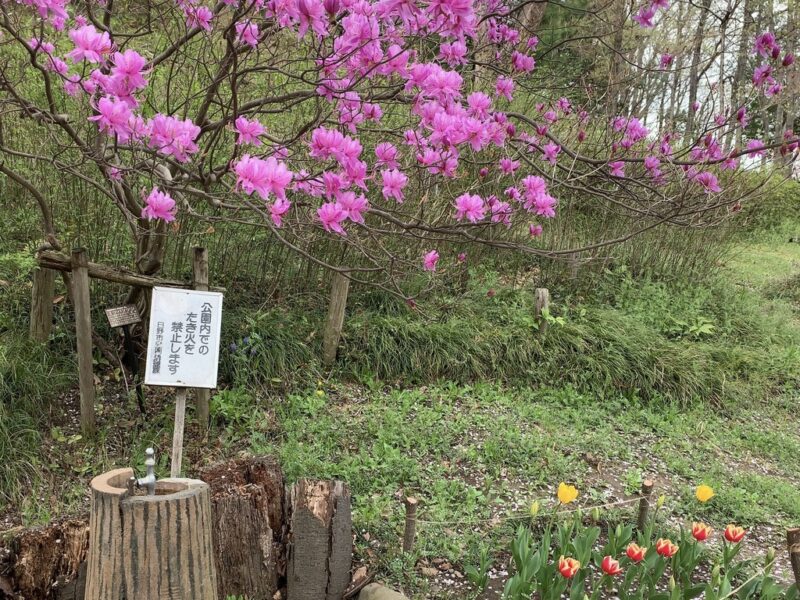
(173, 137)
(90, 45)
(755, 147)
(708, 181)
(248, 131)
(462, 257)
(765, 42)
(454, 53)
(126, 76)
(504, 86)
(278, 209)
(741, 117)
(247, 33)
(508, 166)
(788, 60)
(331, 214)
(387, 155)
(199, 16)
(262, 176)
(762, 74)
(666, 60)
(535, 230)
(429, 260)
(617, 168)
(550, 152)
(353, 205)
(393, 183)
(522, 62)
(470, 206)
(114, 118)
(645, 16)
(159, 205)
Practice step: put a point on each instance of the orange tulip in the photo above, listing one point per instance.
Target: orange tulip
(734, 534)
(635, 552)
(610, 566)
(666, 548)
(568, 566)
(701, 532)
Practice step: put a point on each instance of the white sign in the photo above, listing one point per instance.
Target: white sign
(183, 345)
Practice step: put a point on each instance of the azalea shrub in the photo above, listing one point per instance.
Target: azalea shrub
(351, 124)
(572, 558)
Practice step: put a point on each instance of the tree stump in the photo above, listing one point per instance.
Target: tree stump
(320, 540)
(249, 530)
(150, 547)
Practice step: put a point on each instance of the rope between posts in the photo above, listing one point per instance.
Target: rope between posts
(519, 517)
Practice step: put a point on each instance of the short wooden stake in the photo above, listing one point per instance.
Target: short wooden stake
(793, 545)
(644, 504)
(177, 434)
(200, 272)
(335, 320)
(542, 304)
(411, 524)
(42, 304)
(83, 329)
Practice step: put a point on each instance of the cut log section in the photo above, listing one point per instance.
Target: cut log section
(320, 540)
(150, 547)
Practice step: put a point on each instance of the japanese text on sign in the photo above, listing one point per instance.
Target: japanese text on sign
(183, 347)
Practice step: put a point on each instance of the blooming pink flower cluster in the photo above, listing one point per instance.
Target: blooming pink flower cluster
(648, 11)
(767, 47)
(159, 205)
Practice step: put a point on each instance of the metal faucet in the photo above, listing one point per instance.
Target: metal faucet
(149, 480)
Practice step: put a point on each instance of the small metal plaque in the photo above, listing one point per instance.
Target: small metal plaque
(120, 316)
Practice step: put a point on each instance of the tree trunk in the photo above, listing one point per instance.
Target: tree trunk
(741, 62)
(321, 541)
(694, 68)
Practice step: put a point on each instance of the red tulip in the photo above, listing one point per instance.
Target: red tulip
(610, 566)
(568, 566)
(701, 531)
(666, 548)
(635, 552)
(734, 534)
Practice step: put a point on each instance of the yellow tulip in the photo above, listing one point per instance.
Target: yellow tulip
(704, 493)
(534, 508)
(566, 493)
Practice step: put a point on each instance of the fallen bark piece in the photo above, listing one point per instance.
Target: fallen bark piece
(376, 591)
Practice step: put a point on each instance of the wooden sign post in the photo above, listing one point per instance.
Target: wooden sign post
(183, 349)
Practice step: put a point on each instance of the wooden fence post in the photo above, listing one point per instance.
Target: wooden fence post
(542, 296)
(83, 328)
(644, 504)
(411, 524)
(42, 304)
(793, 545)
(333, 324)
(200, 276)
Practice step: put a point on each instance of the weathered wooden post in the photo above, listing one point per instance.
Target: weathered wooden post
(411, 524)
(644, 504)
(83, 328)
(542, 304)
(42, 304)
(200, 276)
(333, 324)
(152, 547)
(793, 545)
(320, 541)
